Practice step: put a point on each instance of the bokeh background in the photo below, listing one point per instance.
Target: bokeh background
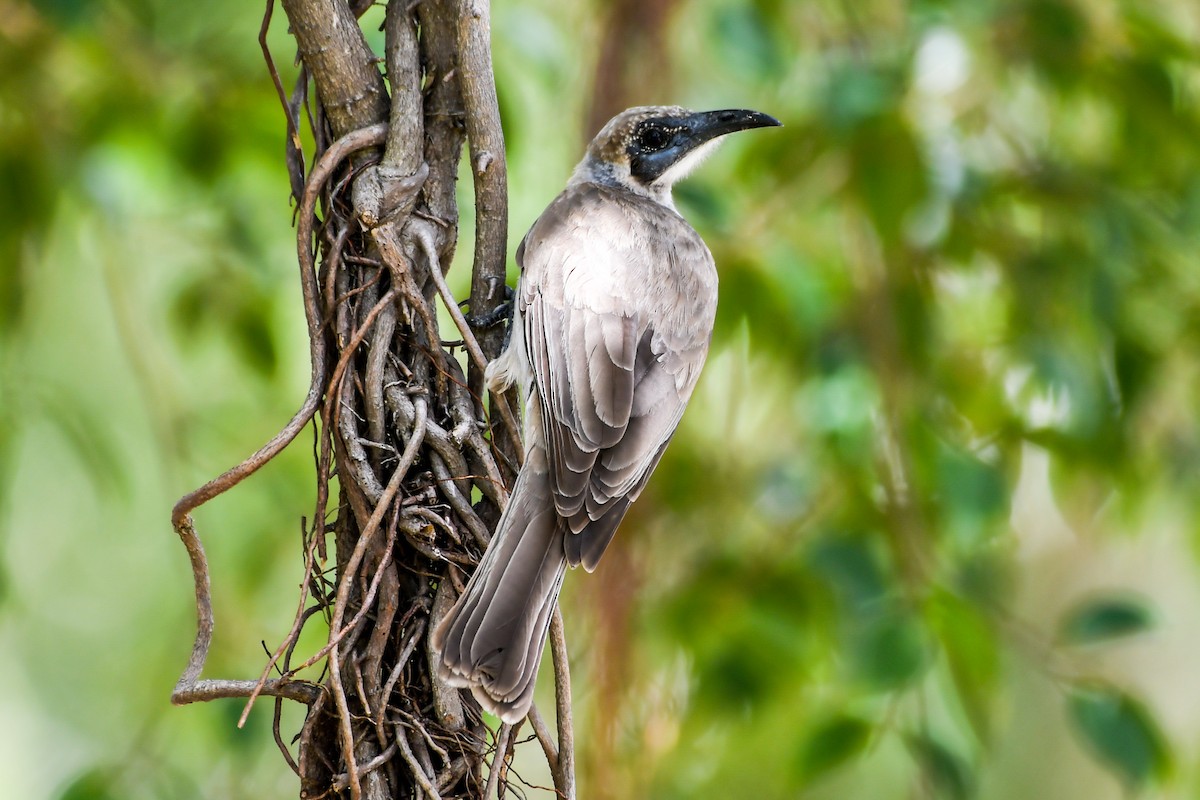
(928, 530)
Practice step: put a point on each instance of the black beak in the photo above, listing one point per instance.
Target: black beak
(708, 125)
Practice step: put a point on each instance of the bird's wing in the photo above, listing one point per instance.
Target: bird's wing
(613, 372)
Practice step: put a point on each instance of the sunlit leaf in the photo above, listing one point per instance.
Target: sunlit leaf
(973, 656)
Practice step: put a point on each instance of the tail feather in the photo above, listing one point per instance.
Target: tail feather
(493, 637)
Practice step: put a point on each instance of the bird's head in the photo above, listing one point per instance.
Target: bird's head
(649, 148)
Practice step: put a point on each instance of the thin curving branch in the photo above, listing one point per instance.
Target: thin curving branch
(478, 358)
(545, 737)
(181, 517)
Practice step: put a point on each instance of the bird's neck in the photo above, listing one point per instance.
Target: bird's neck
(616, 176)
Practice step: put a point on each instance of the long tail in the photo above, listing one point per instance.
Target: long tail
(492, 639)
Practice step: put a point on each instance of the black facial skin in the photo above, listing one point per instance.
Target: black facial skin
(660, 142)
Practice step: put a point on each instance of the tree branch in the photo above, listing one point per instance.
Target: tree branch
(337, 55)
(181, 515)
(488, 169)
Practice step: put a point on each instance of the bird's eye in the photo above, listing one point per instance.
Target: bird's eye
(654, 138)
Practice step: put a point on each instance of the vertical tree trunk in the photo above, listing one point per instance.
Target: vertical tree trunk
(399, 428)
(418, 467)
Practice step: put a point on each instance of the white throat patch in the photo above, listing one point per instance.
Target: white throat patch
(684, 166)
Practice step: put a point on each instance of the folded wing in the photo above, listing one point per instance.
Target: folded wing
(613, 385)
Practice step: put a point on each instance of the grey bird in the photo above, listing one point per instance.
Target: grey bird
(613, 315)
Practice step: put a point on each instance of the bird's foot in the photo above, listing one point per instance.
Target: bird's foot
(500, 314)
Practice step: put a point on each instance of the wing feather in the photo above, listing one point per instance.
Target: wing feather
(614, 371)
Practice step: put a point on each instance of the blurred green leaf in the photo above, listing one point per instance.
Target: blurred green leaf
(972, 655)
(94, 784)
(950, 777)
(856, 93)
(1120, 733)
(889, 650)
(1106, 618)
(889, 174)
(88, 433)
(1050, 34)
(852, 568)
(746, 41)
(833, 743)
(253, 335)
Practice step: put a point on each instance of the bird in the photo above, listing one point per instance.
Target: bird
(613, 314)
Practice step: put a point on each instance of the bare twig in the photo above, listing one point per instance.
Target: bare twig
(564, 776)
(544, 736)
(447, 703)
(201, 691)
(321, 172)
(343, 596)
(401, 662)
(488, 169)
(418, 772)
(295, 149)
(497, 761)
(389, 493)
(294, 633)
(477, 355)
(343, 781)
(181, 515)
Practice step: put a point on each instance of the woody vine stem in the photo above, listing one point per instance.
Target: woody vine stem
(413, 462)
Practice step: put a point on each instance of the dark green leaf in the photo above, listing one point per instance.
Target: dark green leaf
(1106, 618)
(889, 651)
(949, 776)
(890, 177)
(94, 784)
(852, 568)
(833, 743)
(1120, 733)
(253, 337)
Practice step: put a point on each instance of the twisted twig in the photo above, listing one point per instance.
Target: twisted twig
(188, 689)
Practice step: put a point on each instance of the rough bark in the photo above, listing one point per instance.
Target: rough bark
(333, 48)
